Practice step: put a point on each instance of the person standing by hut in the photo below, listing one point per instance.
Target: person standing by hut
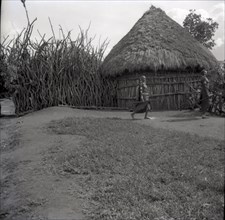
(204, 94)
(143, 104)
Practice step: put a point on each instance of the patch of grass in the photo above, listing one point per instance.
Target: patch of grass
(10, 137)
(132, 171)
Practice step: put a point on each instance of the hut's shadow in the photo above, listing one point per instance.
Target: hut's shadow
(186, 114)
(182, 119)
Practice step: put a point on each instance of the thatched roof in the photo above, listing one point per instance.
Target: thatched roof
(156, 42)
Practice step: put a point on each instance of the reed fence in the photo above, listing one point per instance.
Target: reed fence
(166, 92)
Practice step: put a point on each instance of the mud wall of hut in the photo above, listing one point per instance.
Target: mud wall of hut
(167, 92)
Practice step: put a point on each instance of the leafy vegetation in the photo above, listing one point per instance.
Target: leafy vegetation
(201, 30)
(49, 72)
(3, 77)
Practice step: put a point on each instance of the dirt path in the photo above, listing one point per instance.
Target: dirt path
(31, 188)
(31, 185)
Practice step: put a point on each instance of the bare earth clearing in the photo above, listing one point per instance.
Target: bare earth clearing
(32, 189)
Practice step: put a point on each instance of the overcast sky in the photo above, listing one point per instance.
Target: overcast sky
(109, 19)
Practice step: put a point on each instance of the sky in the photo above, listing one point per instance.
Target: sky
(109, 20)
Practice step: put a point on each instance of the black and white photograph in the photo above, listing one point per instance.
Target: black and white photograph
(112, 110)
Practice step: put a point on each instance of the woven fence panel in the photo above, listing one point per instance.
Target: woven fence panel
(166, 92)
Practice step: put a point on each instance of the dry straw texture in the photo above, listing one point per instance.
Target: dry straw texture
(156, 42)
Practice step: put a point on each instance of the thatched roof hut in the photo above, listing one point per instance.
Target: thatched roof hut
(155, 43)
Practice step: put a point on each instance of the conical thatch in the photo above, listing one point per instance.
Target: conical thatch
(156, 42)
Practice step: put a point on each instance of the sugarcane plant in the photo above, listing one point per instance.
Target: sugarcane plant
(53, 71)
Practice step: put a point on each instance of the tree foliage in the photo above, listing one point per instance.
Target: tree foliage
(201, 30)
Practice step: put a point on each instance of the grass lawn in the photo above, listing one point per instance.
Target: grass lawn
(131, 171)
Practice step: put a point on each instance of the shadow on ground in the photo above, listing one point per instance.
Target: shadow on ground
(182, 119)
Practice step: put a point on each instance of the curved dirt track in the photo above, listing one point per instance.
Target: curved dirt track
(31, 187)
